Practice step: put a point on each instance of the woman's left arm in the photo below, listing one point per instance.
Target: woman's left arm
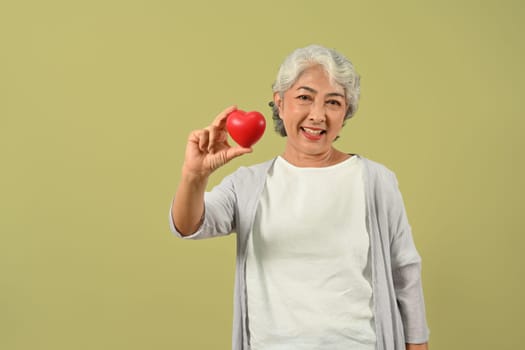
(406, 272)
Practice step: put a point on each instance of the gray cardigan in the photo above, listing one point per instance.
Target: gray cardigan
(399, 307)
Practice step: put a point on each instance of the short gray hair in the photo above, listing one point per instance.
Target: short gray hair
(338, 67)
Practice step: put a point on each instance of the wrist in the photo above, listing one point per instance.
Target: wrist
(191, 175)
(195, 177)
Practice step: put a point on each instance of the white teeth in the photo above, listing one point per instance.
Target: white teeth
(313, 132)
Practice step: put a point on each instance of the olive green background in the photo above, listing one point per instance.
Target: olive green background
(97, 99)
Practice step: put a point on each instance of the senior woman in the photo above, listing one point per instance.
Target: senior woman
(325, 255)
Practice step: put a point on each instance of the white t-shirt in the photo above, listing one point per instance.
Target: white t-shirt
(308, 276)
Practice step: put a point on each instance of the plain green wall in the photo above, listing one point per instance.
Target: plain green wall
(97, 99)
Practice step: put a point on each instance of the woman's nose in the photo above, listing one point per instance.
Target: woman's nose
(317, 113)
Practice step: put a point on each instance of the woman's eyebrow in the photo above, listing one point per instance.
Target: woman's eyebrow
(335, 94)
(307, 88)
(314, 91)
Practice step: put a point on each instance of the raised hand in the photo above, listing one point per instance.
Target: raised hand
(208, 149)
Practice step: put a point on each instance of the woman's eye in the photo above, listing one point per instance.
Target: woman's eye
(303, 97)
(334, 102)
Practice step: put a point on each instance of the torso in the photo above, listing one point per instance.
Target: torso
(307, 271)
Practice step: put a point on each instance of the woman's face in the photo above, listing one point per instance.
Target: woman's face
(312, 111)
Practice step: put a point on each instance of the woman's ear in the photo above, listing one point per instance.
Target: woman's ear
(277, 100)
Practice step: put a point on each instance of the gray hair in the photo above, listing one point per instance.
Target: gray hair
(339, 69)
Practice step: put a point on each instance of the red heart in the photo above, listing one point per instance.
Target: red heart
(246, 128)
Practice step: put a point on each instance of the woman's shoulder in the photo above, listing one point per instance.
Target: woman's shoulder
(376, 171)
(257, 168)
(253, 172)
(260, 167)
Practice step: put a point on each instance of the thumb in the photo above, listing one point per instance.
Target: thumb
(237, 152)
(223, 157)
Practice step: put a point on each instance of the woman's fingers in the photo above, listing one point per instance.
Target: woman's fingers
(201, 138)
(221, 158)
(220, 119)
(237, 151)
(208, 148)
(217, 137)
(217, 130)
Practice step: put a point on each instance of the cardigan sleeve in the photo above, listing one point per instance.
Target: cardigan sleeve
(219, 212)
(406, 270)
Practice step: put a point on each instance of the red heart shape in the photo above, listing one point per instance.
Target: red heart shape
(245, 128)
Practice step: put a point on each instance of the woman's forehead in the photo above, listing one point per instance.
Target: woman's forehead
(316, 79)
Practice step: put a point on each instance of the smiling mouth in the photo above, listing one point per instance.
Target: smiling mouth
(313, 132)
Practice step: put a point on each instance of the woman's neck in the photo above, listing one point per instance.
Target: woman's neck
(302, 160)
